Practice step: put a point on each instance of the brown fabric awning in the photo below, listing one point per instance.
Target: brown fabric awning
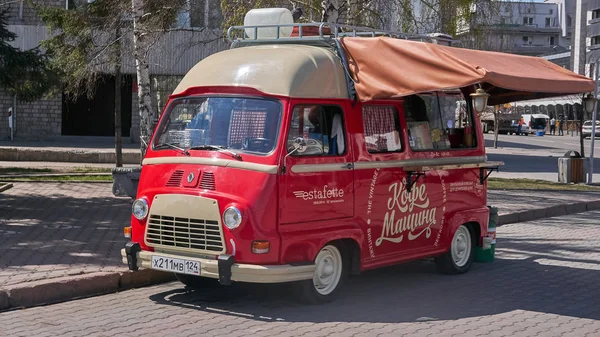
(386, 67)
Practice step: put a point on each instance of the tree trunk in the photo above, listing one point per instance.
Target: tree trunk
(581, 134)
(140, 47)
(331, 12)
(118, 139)
(496, 127)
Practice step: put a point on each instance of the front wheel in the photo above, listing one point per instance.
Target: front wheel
(459, 257)
(330, 274)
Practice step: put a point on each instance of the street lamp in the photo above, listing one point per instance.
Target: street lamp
(589, 102)
(480, 98)
(591, 106)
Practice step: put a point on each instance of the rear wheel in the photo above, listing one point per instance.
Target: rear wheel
(459, 257)
(197, 282)
(330, 274)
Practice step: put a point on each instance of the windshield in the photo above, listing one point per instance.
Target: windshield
(212, 123)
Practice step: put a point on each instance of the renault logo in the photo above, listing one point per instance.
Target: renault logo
(190, 178)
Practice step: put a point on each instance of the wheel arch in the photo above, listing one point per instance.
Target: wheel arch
(295, 250)
(477, 219)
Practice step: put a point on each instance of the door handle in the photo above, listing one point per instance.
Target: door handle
(348, 166)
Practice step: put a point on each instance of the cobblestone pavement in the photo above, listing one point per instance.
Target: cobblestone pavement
(51, 230)
(544, 282)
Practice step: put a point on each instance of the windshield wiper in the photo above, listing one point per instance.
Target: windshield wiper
(171, 146)
(222, 149)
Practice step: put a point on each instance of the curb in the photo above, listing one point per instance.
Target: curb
(74, 174)
(44, 292)
(548, 212)
(58, 181)
(4, 187)
(69, 156)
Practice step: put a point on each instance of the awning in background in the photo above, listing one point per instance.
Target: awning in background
(540, 116)
(386, 67)
(561, 100)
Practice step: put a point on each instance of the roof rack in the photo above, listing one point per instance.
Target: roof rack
(325, 31)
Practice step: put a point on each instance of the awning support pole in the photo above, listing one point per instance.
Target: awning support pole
(594, 116)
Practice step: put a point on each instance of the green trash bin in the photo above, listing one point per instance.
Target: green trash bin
(486, 252)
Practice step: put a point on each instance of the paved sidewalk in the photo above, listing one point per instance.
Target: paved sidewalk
(543, 282)
(514, 201)
(50, 231)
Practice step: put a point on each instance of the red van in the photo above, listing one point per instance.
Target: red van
(301, 159)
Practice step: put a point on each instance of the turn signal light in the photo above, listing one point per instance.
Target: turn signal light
(260, 247)
(127, 232)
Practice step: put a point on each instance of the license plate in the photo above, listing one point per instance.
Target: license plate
(176, 265)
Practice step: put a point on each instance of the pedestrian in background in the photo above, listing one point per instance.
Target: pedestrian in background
(552, 125)
(561, 122)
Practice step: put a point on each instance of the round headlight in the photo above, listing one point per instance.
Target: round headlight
(232, 217)
(140, 209)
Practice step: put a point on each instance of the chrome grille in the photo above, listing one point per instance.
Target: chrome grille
(184, 233)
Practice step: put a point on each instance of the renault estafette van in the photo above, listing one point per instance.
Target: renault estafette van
(291, 157)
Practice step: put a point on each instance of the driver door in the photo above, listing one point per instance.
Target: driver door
(318, 183)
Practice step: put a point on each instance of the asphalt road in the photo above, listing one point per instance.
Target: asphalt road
(536, 157)
(544, 282)
(555, 144)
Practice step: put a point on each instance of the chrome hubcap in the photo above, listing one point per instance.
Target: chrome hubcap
(461, 246)
(328, 270)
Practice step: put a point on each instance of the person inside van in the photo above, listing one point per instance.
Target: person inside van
(324, 126)
(415, 109)
(316, 126)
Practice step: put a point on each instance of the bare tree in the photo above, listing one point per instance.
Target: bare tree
(83, 50)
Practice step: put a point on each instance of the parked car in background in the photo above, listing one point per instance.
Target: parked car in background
(586, 130)
(525, 130)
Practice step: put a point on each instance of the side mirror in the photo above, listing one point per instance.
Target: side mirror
(299, 145)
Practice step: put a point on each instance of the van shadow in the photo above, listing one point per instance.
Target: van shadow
(415, 292)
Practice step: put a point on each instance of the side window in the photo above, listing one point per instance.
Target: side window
(321, 126)
(382, 128)
(439, 121)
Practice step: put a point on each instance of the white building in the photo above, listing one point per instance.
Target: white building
(518, 27)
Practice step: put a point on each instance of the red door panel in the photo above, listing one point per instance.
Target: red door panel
(319, 182)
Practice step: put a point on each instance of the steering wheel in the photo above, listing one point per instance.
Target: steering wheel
(260, 144)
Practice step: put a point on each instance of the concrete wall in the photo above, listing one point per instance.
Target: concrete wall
(36, 120)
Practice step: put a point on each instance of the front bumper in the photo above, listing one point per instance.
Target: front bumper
(224, 267)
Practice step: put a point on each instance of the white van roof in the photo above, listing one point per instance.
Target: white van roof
(292, 70)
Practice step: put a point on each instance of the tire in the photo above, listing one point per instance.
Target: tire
(197, 282)
(459, 257)
(330, 274)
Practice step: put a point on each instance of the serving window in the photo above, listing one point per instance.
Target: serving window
(439, 121)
